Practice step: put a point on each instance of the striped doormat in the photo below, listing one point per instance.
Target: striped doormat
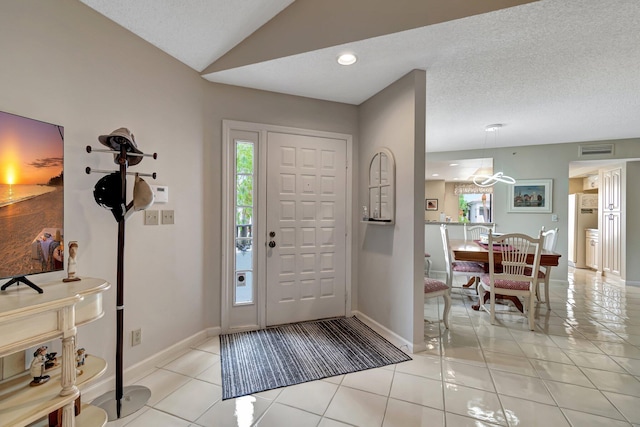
(292, 354)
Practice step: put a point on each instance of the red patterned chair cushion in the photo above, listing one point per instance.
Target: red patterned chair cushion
(506, 284)
(467, 267)
(433, 285)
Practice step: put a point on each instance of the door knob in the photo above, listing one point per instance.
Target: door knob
(272, 244)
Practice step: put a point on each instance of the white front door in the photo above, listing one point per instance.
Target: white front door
(306, 228)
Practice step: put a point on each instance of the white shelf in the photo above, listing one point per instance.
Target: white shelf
(91, 416)
(28, 319)
(378, 222)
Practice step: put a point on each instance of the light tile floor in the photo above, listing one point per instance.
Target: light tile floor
(580, 367)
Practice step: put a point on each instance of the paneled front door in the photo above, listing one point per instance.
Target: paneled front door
(305, 226)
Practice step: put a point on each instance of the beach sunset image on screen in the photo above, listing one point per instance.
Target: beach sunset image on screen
(31, 196)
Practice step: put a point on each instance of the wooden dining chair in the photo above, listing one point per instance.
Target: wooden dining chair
(435, 288)
(509, 272)
(473, 232)
(469, 269)
(427, 264)
(550, 240)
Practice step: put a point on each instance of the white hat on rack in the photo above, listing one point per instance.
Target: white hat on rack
(116, 139)
(143, 196)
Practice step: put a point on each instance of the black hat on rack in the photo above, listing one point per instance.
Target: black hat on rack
(116, 139)
(107, 193)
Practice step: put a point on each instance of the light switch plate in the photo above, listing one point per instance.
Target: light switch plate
(167, 217)
(151, 217)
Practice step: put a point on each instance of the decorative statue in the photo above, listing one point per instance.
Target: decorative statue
(52, 361)
(71, 262)
(37, 367)
(80, 356)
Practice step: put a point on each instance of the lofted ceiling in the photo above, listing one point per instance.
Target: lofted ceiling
(551, 71)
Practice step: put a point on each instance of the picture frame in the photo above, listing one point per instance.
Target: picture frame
(431, 204)
(530, 196)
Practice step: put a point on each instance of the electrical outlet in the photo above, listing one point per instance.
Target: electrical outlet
(150, 217)
(167, 217)
(136, 337)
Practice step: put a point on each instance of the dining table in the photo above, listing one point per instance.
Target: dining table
(472, 250)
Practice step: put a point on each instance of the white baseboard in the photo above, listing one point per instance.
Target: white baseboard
(146, 366)
(389, 335)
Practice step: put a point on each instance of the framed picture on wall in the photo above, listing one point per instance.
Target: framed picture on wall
(530, 196)
(431, 204)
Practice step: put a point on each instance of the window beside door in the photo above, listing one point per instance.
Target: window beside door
(244, 288)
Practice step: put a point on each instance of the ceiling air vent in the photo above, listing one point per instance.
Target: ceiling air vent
(596, 150)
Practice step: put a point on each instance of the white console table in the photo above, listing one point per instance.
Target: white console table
(28, 319)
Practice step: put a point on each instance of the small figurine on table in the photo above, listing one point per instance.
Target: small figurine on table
(37, 367)
(71, 262)
(51, 361)
(80, 356)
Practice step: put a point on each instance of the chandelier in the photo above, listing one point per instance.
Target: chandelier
(491, 180)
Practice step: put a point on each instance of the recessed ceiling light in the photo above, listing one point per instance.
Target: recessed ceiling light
(347, 59)
(435, 174)
(493, 127)
(453, 164)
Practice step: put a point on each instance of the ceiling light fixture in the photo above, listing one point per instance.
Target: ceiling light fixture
(347, 59)
(490, 180)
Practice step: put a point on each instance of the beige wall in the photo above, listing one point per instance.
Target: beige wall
(575, 185)
(249, 105)
(66, 64)
(434, 190)
(391, 257)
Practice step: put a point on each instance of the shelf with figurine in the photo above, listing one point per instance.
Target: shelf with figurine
(22, 402)
(29, 319)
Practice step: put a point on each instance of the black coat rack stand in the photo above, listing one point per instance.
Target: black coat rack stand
(122, 401)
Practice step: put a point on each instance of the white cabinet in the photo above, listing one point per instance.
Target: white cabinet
(611, 243)
(611, 189)
(611, 221)
(591, 248)
(28, 319)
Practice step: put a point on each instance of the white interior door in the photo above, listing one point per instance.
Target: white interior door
(306, 228)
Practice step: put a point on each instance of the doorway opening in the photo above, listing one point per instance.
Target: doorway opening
(475, 207)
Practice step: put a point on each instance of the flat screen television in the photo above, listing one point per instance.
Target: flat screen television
(31, 198)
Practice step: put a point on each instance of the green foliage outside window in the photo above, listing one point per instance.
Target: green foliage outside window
(244, 183)
(463, 209)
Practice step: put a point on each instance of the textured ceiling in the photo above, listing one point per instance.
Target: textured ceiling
(552, 71)
(196, 32)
